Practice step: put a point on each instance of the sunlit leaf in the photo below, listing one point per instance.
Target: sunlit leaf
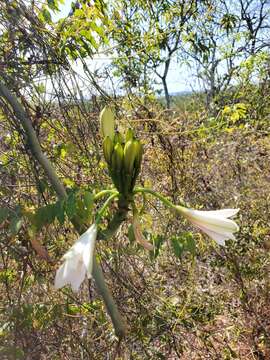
(131, 235)
(15, 225)
(183, 243)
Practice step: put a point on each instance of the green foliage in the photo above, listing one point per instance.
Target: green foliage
(235, 113)
(4, 214)
(148, 34)
(45, 16)
(54, 4)
(8, 276)
(46, 215)
(183, 243)
(13, 217)
(84, 31)
(15, 224)
(157, 241)
(228, 22)
(77, 204)
(29, 49)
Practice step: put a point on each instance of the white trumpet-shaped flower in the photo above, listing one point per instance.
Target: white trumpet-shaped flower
(78, 261)
(214, 223)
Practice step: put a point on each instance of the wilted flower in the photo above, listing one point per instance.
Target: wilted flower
(214, 223)
(139, 235)
(78, 261)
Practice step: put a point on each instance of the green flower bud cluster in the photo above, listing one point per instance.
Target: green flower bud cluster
(124, 159)
(122, 154)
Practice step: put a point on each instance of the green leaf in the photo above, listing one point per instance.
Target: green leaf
(47, 214)
(44, 215)
(131, 235)
(46, 15)
(88, 201)
(190, 243)
(15, 225)
(73, 309)
(42, 185)
(183, 243)
(70, 205)
(4, 214)
(178, 247)
(60, 212)
(157, 242)
(53, 4)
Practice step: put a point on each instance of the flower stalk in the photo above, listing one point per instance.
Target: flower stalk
(101, 212)
(162, 198)
(103, 193)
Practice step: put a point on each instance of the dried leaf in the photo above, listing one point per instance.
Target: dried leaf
(40, 249)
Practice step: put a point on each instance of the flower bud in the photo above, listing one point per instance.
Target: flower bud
(137, 161)
(107, 122)
(129, 156)
(118, 138)
(129, 135)
(139, 153)
(117, 157)
(108, 149)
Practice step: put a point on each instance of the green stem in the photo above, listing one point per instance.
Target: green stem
(116, 221)
(113, 226)
(157, 195)
(119, 327)
(104, 193)
(104, 207)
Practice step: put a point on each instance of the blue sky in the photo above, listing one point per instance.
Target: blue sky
(179, 77)
(64, 10)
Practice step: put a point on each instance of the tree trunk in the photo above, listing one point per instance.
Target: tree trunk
(166, 92)
(164, 82)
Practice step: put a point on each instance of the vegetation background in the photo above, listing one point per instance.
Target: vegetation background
(210, 147)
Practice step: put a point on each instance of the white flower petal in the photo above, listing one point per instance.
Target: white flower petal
(88, 254)
(218, 237)
(60, 279)
(78, 261)
(223, 212)
(214, 223)
(72, 259)
(75, 278)
(226, 225)
(209, 219)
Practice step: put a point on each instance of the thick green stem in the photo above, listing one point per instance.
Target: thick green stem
(116, 221)
(104, 207)
(35, 148)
